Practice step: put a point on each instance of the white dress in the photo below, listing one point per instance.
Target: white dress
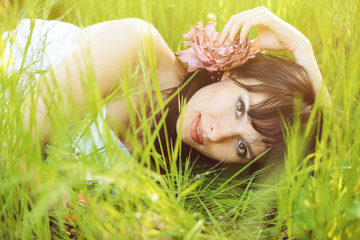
(50, 42)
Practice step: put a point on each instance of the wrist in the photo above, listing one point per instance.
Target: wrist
(305, 57)
(303, 51)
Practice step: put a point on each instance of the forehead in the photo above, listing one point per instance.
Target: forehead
(252, 98)
(253, 137)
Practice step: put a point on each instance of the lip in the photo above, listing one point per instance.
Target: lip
(195, 122)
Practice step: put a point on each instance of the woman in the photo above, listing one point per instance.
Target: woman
(233, 120)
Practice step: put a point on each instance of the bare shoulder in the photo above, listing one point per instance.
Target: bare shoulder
(132, 33)
(132, 24)
(111, 48)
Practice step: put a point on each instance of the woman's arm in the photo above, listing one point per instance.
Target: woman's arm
(106, 53)
(275, 34)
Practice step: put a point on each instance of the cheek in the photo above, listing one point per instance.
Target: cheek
(219, 152)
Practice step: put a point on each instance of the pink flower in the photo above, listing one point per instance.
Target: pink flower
(206, 52)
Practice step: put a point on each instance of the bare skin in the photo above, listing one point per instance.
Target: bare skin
(110, 55)
(111, 52)
(224, 130)
(210, 124)
(277, 35)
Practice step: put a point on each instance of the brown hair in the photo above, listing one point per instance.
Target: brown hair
(285, 84)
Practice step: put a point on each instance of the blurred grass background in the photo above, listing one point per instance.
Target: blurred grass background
(314, 197)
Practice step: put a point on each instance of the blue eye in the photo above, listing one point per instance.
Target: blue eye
(239, 108)
(241, 148)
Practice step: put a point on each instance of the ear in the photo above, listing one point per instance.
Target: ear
(225, 75)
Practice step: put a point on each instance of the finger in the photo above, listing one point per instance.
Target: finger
(234, 31)
(260, 20)
(244, 32)
(226, 30)
(239, 19)
(258, 9)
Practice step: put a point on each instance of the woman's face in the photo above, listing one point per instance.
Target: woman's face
(216, 123)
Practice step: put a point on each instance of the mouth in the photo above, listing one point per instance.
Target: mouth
(196, 130)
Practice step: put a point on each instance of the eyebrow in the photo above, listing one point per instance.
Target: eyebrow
(251, 152)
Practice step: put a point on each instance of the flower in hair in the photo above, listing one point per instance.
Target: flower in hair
(205, 52)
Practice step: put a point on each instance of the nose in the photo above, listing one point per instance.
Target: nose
(221, 130)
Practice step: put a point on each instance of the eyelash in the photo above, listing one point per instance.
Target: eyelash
(241, 148)
(239, 111)
(239, 108)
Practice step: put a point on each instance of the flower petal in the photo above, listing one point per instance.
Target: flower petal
(206, 52)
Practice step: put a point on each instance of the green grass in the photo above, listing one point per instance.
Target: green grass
(315, 197)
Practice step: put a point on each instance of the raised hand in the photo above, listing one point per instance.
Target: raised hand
(273, 32)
